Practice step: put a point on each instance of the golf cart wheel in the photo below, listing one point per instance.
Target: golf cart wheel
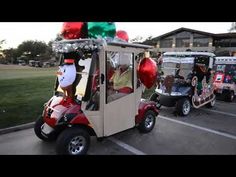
(148, 122)
(230, 96)
(38, 131)
(211, 104)
(183, 107)
(73, 141)
(154, 97)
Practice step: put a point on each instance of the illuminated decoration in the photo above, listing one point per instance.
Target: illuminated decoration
(101, 29)
(147, 72)
(122, 35)
(74, 30)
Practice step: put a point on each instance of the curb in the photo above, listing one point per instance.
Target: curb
(17, 128)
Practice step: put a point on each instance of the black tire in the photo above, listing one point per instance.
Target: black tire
(154, 97)
(183, 107)
(211, 104)
(78, 135)
(230, 96)
(37, 130)
(148, 122)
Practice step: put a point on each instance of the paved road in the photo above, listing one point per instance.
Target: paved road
(204, 131)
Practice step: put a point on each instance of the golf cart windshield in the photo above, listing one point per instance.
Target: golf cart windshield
(177, 65)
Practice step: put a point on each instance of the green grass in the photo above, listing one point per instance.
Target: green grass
(23, 93)
(22, 99)
(18, 72)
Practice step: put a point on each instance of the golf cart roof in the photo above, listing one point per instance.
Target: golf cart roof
(225, 60)
(126, 44)
(66, 46)
(190, 53)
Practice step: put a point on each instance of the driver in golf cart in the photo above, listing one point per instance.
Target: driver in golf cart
(120, 83)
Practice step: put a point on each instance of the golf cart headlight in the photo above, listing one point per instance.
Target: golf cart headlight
(176, 93)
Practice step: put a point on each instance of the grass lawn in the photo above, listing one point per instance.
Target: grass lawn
(23, 93)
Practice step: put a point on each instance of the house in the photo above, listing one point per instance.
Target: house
(183, 39)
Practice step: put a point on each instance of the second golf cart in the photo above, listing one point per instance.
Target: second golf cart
(186, 81)
(225, 77)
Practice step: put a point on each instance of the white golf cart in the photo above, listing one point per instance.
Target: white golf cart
(94, 113)
(186, 81)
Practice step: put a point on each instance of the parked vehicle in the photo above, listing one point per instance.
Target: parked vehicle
(93, 114)
(225, 77)
(21, 62)
(186, 81)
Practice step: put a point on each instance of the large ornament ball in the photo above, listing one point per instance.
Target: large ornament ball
(101, 29)
(147, 72)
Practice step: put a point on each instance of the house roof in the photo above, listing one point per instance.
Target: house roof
(220, 35)
(183, 29)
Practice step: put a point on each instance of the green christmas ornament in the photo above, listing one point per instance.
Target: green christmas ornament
(102, 29)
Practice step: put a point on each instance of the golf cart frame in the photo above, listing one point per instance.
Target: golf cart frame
(225, 77)
(179, 86)
(93, 114)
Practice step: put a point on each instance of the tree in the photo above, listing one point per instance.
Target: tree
(137, 39)
(233, 27)
(1, 42)
(59, 37)
(1, 54)
(148, 38)
(11, 55)
(32, 49)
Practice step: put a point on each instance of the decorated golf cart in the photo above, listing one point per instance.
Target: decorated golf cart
(225, 77)
(99, 110)
(186, 81)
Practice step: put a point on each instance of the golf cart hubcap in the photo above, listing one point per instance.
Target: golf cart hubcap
(149, 121)
(76, 145)
(186, 107)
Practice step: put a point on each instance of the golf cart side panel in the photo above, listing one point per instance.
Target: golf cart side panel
(120, 114)
(168, 101)
(96, 117)
(144, 106)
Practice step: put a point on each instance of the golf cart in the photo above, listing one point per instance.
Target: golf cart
(94, 114)
(225, 77)
(186, 81)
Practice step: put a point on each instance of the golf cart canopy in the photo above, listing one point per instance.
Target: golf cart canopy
(195, 58)
(225, 60)
(185, 54)
(66, 46)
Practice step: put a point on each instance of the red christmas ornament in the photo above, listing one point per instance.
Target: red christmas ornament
(73, 30)
(122, 35)
(147, 72)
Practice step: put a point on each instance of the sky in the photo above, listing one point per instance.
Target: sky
(14, 33)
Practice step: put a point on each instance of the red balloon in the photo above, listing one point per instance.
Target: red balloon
(122, 35)
(73, 30)
(147, 72)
